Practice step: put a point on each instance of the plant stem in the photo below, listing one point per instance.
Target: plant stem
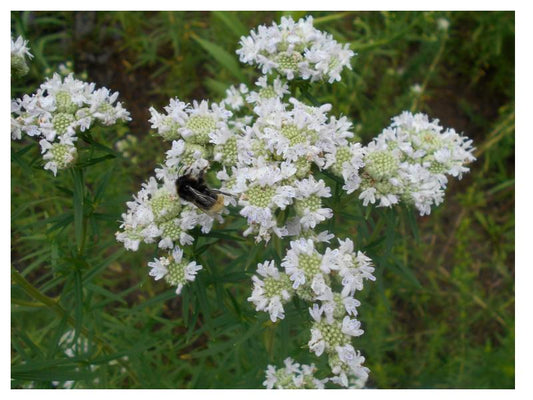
(432, 67)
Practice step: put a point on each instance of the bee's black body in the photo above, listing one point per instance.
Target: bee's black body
(194, 190)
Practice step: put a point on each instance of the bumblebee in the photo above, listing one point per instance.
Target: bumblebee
(194, 190)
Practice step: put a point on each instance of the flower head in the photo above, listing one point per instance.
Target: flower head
(410, 161)
(176, 270)
(58, 110)
(271, 290)
(19, 53)
(295, 50)
(293, 376)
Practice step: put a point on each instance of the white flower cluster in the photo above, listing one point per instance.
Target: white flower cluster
(194, 131)
(270, 159)
(197, 133)
(268, 150)
(295, 50)
(301, 376)
(19, 52)
(59, 108)
(158, 215)
(293, 376)
(410, 161)
(328, 280)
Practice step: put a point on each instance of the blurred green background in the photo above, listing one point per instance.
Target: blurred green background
(441, 313)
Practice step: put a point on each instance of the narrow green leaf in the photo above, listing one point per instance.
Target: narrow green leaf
(21, 337)
(97, 160)
(225, 59)
(501, 186)
(214, 349)
(110, 296)
(62, 222)
(411, 221)
(42, 20)
(216, 86)
(232, 23)
(222, 234)
(99, 267)
(15, 157)
(103, 184)
(160, 298)
(234, 302)
(185, 306)
(406, 273)
(29, 204)
(203, 302)
(78, 298)
(50, 373)
(234, 277)
(54, 341)
(251, 257)
(314, 101)
(89, 139)
(78, 200)
(331, 17)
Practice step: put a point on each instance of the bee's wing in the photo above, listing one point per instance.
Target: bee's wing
(221, 192)
(202, 199)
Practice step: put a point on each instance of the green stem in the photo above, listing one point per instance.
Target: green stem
(78, 200)
(431, 69)
(37, 295)
(377, 229)
(309, 96)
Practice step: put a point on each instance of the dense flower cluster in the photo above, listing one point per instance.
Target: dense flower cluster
(158, 215)
(269, 163)
(410, 162)
(295, 50)
(19, 52)
(270, 152)
(273, 157)
(59, 108)
(293, 376)
(328, 280)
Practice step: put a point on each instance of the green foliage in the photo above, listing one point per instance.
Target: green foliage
(441, 313)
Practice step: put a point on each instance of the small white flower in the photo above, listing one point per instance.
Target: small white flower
(267, 92)
(336, 305)
(176, 270)
(308, 203)
(19, 48)
(19, 52)
(235, 97)
(305, 266)
(271, 290)
(351, 327)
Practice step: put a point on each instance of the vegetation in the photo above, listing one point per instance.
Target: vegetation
(441, 312)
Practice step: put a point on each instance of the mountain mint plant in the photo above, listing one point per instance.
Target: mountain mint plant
(269, 150)
(273, 155)
(59, 109)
